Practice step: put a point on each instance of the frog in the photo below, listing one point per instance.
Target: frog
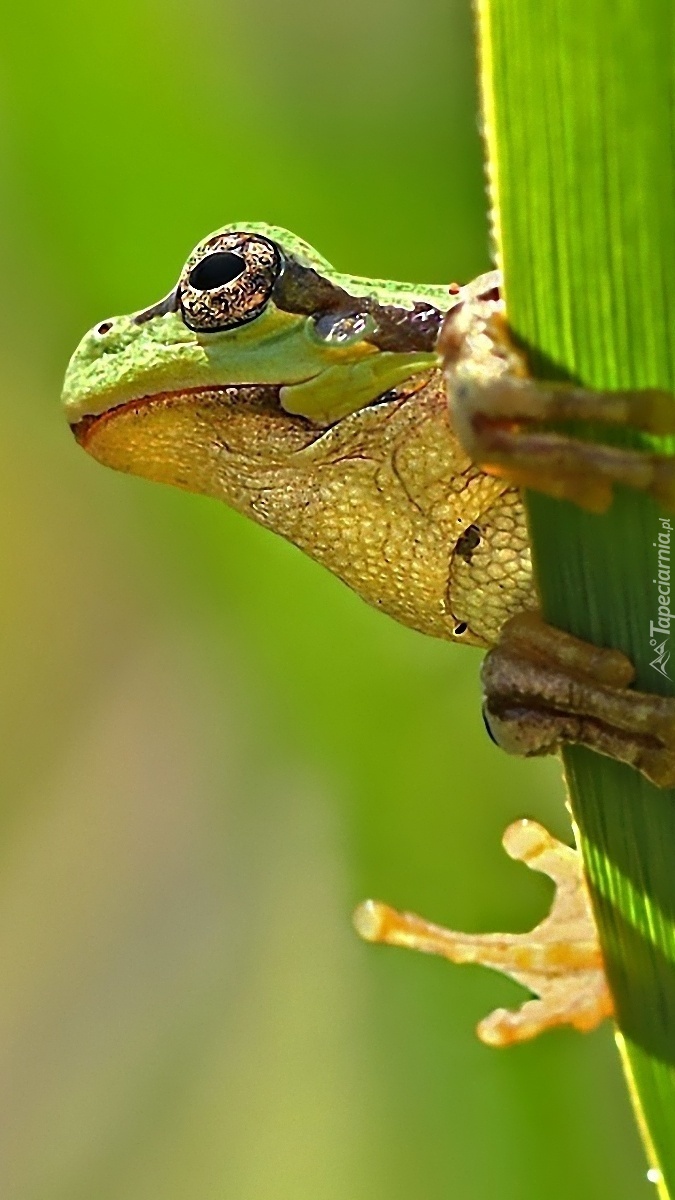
(388, 430)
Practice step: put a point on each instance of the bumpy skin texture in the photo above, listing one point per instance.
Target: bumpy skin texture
(385, 496)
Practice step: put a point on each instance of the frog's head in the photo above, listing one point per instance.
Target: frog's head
(307, 399)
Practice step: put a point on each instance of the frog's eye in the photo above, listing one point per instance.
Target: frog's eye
(227, 281)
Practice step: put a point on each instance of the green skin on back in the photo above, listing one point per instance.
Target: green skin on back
(313, 402)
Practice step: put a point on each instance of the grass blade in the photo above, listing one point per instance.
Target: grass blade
(580, 123)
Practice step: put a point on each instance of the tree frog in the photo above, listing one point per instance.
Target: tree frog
(387, 429)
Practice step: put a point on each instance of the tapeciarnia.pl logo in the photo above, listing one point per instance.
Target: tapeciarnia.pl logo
(661, 626)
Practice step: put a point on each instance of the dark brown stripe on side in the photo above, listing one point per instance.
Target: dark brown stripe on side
(167, 305)
(301, 289)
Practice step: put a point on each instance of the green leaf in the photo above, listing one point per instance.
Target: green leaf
(579, 116)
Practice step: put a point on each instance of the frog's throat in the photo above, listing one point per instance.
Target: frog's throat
(369, 498)
(88, 427)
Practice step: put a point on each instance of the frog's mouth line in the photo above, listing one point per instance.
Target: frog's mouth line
(266, 397)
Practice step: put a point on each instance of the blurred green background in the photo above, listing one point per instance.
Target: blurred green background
(212, 750)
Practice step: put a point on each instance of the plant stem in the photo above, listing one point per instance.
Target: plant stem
(579, 113)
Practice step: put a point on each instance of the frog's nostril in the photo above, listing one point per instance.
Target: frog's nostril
(104, 328)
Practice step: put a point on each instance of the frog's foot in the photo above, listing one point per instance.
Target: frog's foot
(559, 960)
(504, 419)
(544, 688)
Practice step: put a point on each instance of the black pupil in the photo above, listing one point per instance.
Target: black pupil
(216, 270)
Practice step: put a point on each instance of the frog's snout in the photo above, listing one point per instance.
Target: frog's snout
(97, 354)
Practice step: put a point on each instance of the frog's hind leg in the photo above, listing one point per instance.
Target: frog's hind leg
(503, 418)
(559, 960)
(544, 688)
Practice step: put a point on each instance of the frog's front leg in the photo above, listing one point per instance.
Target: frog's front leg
(544, 688)
(559, 960)
(509, 423)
